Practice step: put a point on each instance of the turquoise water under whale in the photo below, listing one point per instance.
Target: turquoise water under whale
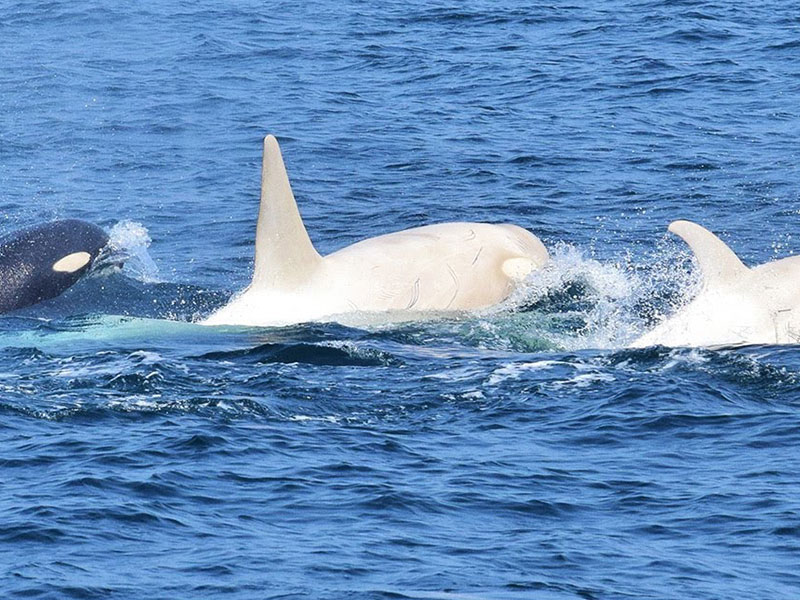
(522, 452)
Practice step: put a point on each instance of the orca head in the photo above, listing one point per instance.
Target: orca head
(42, 262)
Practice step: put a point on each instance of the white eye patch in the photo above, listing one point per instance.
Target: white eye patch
(72, 262)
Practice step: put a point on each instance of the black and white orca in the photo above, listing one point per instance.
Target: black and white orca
(42, 262)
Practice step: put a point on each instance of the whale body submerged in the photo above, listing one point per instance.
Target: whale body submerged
(436, 268)
(736, 305)
(42, 262)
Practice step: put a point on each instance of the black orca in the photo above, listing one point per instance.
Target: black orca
(41, 262)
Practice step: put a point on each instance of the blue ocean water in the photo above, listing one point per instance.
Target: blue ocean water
(518, 453)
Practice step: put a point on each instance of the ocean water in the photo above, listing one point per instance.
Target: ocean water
(521, 452)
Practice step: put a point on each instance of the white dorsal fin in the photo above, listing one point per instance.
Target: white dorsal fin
(285, 256)
(718, 263)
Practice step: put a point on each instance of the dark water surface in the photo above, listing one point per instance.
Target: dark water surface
(518, 453)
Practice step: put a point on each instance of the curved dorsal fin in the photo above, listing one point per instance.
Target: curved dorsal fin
(285, 255)
(717, 261)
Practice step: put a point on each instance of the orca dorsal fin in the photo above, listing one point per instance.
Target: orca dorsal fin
(285, 256)
(718, 263)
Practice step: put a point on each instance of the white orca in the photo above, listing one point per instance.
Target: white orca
(436, 268)
(43, 261)
(736, 305)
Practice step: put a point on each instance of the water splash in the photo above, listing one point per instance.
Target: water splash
(130, 240)
(577, 302)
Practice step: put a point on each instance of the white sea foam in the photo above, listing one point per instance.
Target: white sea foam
(584, 380)
(515, 370)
